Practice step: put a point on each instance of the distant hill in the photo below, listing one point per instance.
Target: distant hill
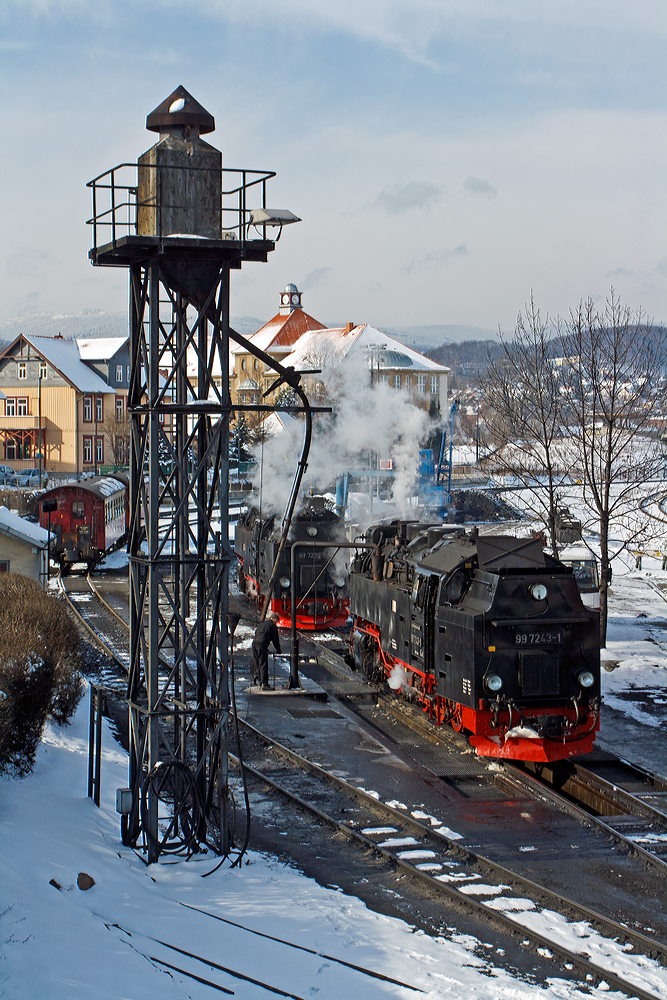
(425, 338)
(89, 323)
(467, 358)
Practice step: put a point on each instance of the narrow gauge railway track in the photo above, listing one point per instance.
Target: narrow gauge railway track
(509, 901)
(105, 626)
(628, 803)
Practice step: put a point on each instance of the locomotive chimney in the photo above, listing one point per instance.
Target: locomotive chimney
(180, 177)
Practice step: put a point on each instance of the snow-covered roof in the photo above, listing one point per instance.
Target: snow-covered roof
(64, 355)
(281, 332)
(17, 527)
(276, 423)
(339, 342)
(100, 348)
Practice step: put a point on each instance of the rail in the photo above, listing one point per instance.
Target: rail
(460, 859)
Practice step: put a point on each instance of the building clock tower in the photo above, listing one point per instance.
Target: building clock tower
(290, 299)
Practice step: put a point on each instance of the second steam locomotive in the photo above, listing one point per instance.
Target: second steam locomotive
(488, 633)
(320, 576)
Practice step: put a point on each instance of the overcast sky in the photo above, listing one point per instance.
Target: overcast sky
(446, 156)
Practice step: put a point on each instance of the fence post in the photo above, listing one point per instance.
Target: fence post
(97, 695)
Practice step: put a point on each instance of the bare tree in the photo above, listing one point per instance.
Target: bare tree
(523, 413)
(117, 431)
(612, 365)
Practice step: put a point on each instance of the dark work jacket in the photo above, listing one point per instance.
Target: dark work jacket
(265, 634)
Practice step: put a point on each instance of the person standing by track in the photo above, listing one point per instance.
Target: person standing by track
(265, 634)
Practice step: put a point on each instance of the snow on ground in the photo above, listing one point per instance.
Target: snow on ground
(112, 941)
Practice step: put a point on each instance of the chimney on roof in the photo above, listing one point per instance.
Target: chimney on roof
(349, 327)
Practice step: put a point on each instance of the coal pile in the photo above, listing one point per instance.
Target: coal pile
(481, 505)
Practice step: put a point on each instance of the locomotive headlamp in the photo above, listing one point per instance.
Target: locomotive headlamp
(284, 581)
(586, 679)
(493, 682)
(311, 531)
(538, 591)
(340, 581)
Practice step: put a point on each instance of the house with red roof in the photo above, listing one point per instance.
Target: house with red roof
(277, 338)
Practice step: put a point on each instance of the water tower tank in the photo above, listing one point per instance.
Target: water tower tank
(180, 177)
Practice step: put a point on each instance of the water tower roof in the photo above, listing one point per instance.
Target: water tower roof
(180, 108)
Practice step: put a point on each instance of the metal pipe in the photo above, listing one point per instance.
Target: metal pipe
(287, 519)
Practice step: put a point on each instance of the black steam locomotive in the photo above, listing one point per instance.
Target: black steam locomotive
(488, 633)
(321, 577)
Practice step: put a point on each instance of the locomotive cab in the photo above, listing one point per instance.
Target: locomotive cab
(492, 636)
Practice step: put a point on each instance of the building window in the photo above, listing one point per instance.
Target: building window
(435, 385)
(100, 448)
(43, 370)
(4, 566)
(78, 509)
(87, 451)
(128, 373)
(243, 364)
(407, 381)
(87, 409)
(120, 409)
(384, 378)
(99, 409)
(119, 373)
(18, 445)
(397, 381)
(22, 370)
(255, 364)
(16, 406)
(421, 383)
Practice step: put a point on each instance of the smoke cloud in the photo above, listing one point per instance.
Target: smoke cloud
(380, 419)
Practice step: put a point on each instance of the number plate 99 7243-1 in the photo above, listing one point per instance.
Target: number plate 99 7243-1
(537, 638)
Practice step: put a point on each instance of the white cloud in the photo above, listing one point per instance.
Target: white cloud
(405, 197)
(477, 186)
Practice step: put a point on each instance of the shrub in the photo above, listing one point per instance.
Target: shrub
(39, 658)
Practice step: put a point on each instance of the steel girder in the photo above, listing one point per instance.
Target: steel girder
(179, 557)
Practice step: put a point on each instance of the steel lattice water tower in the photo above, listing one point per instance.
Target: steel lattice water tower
(180, 223)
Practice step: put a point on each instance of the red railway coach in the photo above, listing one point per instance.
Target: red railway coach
(88, 521)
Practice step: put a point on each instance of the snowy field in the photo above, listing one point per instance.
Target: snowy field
(265, 922)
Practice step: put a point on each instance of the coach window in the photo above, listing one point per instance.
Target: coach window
(87, 409)
(78, 509)
(99, 409)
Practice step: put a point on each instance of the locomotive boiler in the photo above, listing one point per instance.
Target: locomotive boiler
(321, 579)
(488, 633)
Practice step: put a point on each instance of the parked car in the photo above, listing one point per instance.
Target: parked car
(29, 477)
(6, 474)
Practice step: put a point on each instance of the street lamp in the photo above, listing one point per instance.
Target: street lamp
(47, 507)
